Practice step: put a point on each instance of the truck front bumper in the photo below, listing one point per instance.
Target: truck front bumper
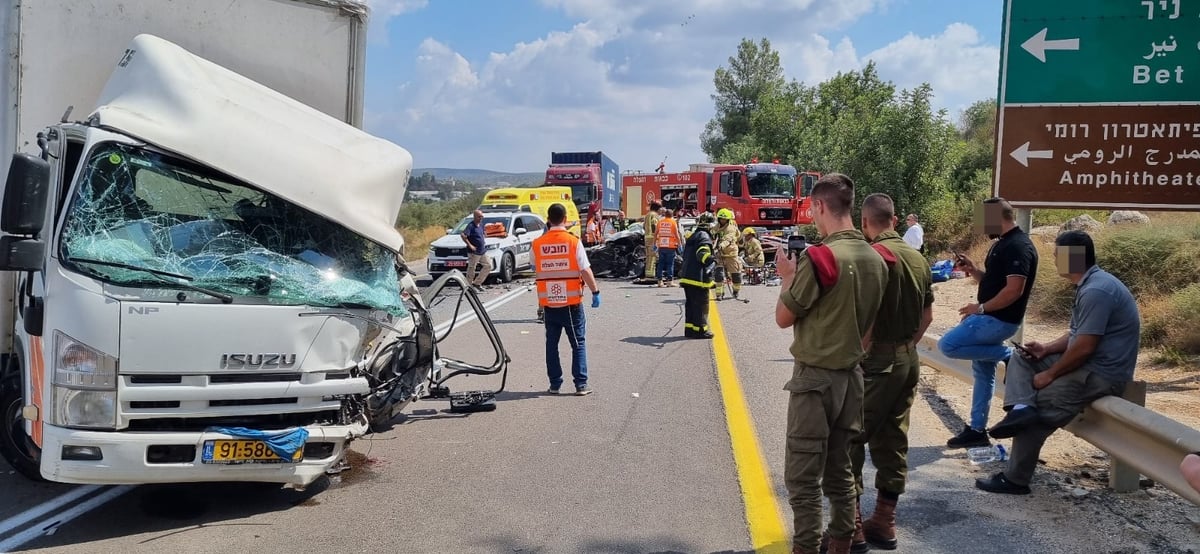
(125, 457)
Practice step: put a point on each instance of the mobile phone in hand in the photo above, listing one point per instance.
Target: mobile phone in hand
(1024, 352)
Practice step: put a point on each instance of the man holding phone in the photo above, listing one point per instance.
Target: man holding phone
(1049, 384)
(1001, 299)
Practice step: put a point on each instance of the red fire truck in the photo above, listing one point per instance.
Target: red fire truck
(767, 195)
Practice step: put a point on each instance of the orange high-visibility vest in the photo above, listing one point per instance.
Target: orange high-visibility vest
(559, 277)
(668, 234)
(593, 232)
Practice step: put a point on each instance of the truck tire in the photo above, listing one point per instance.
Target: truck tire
(508, 268)
(15, 445)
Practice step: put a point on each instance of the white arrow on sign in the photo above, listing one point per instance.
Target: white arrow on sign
(1038, 45)
(1023, 154)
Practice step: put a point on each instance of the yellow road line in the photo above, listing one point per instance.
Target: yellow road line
(767, 530)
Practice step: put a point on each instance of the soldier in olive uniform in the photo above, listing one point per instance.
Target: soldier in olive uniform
(830, 295)
(727, 254)
(891, 368)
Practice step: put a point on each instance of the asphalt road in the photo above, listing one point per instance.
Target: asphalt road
(643, 465)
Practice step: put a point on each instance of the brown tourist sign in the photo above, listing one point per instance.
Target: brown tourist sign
(1103, 156)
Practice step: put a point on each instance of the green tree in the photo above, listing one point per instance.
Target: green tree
(753, 73)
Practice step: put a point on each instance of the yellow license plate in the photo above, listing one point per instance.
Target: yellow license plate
(243, 452)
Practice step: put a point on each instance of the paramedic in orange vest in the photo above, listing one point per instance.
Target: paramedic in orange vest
(667, 238)
(592, 234)
(561, 269)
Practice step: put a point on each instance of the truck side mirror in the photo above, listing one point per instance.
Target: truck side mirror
(25, 195)
(21, 254)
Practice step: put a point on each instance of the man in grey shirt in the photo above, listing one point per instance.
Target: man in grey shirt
(1049, 384)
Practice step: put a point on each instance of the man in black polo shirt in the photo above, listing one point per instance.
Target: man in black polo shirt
(1003, 294)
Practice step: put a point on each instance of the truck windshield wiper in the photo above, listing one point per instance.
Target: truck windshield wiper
(161, 276)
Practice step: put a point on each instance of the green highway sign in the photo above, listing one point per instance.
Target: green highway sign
(1100, 51)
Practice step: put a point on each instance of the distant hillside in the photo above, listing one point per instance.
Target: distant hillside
(482, 176)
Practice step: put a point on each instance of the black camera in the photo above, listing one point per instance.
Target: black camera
(795, 245)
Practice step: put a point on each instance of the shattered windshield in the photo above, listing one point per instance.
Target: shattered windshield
(772, 185)
(148, 210)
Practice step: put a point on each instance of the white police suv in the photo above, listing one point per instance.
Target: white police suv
(509, 245)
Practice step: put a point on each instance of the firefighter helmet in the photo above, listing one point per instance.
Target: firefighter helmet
(724, 213)
(749, 231)
(705, 220)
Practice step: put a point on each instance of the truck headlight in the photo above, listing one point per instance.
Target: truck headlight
(79, 366)
(85, 385)
(85, 408)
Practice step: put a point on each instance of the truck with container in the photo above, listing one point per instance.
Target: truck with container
(202, 278)
(769, 196)
(594, 178)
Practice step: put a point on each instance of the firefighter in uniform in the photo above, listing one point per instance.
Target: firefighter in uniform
(830, 296)
(728, 264)
(891, 368)
(754, 250)
(667, 240)
(649, 228)
(561, 268)
(696, 279)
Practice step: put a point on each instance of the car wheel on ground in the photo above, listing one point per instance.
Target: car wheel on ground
(507, 268)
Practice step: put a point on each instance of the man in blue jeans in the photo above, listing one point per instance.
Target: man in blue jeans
(996, 315)
(561, 269)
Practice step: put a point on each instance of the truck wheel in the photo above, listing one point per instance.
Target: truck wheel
(508, 267)
(15, 445)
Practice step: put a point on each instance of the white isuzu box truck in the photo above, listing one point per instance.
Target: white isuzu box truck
(203, 280)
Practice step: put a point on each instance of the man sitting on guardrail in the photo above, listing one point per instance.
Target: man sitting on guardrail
(1047, 385)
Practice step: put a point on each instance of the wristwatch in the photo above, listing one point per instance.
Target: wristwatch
(980, 310)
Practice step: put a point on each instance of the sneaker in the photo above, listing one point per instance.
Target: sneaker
(583, 391)
(552, 390)
(998, 483)
(968, 438)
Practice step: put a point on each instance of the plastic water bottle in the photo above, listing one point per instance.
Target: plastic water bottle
(985, 454)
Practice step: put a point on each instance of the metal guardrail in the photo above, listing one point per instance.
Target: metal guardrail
(1144, 441)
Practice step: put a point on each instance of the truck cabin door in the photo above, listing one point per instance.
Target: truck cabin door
(731, 183)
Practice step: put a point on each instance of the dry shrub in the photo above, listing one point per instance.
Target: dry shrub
(1181, 321)
(1151, 259)
(417, 241)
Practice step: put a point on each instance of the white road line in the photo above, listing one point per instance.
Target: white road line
(487, 306)
(46, 507)
(53, 522)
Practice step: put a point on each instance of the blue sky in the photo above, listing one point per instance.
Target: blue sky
(500, 84)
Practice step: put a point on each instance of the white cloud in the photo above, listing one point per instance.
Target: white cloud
(635, 79)
(383, 10)
(957, 63)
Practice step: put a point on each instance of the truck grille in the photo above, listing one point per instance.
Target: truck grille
(242, 396)
(776, 213)
(444, 252)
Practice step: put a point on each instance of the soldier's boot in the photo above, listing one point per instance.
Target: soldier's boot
(858, 543)
(880, 529)
(840, 546)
